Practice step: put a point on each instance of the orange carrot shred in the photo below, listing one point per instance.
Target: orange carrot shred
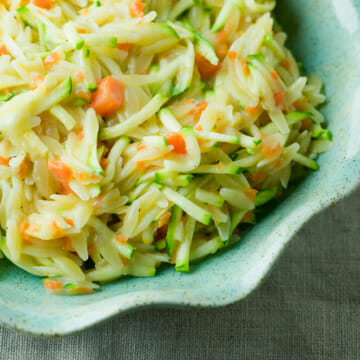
(24, 227)
(69, 222)
(245, 67)
(52, 285)
(187, 102)
(61, 170)
(140, 147)
(4, 161)
(232, 55)
(252, 110)
(3, 49)
(121, 239)
(306, 124)
(286, 64)
(125, 261)
(250, 193)
(108, 97)
(81, 31)
(36, 81)
(177, 141)
(124, 46)
(271, 151)
(221, 50)
(164, 219)
(84, 11)
(257, 176)
(275, 76)
(80, 76)
(205, 67)
(67, 244)
(199, 108)
(279, 98)
(247, 216)
(52, 58)
(45, 4)
(136, 9)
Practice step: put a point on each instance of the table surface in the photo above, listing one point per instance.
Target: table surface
(307, 309)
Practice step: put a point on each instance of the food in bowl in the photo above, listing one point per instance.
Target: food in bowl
(135, 134)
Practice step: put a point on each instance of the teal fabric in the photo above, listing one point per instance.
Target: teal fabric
(309, 308)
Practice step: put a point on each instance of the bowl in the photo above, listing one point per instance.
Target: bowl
(333, 52)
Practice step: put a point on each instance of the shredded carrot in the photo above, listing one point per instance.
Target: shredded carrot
(67, 244)
(4, 161)
(69, 222)
(198, 127)
(52, 58)
(221, 50)
(247, 216)
(278, 165)
(187, 102)
(80, 76)
(224, 32)
(52, 285)
(286, 64)
(66, 189)
(279, 98)
(84, 11)
(83, 291)
(279, 193)
(220, 165)
(3, 49)
(178, 142)
(108, 97)
(97, 201)
(36, 81)
(61, 170)
(164, 219)
(125, 261)
(81, 31)
(250, 193)
(298, 104)
(124, 46)
(81, 176)
(24, 227)
(232, 55)
(121, 239)
(306, 124)
(199, 108)
(258, 176)
(245, 67)
(45, 4)
(56, 227)
(269, 151)
(140, 147)
(252, 110)
(205, 67)
(140, 164)
(136, 9)
(275, 76)
(80, 134)
(104, 162)
(23, 169)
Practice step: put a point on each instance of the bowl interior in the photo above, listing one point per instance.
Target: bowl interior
(333, 52)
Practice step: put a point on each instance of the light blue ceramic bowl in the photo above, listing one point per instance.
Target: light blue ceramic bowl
(325, 36)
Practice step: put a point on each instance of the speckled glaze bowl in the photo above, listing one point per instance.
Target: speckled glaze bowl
(325, 36)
